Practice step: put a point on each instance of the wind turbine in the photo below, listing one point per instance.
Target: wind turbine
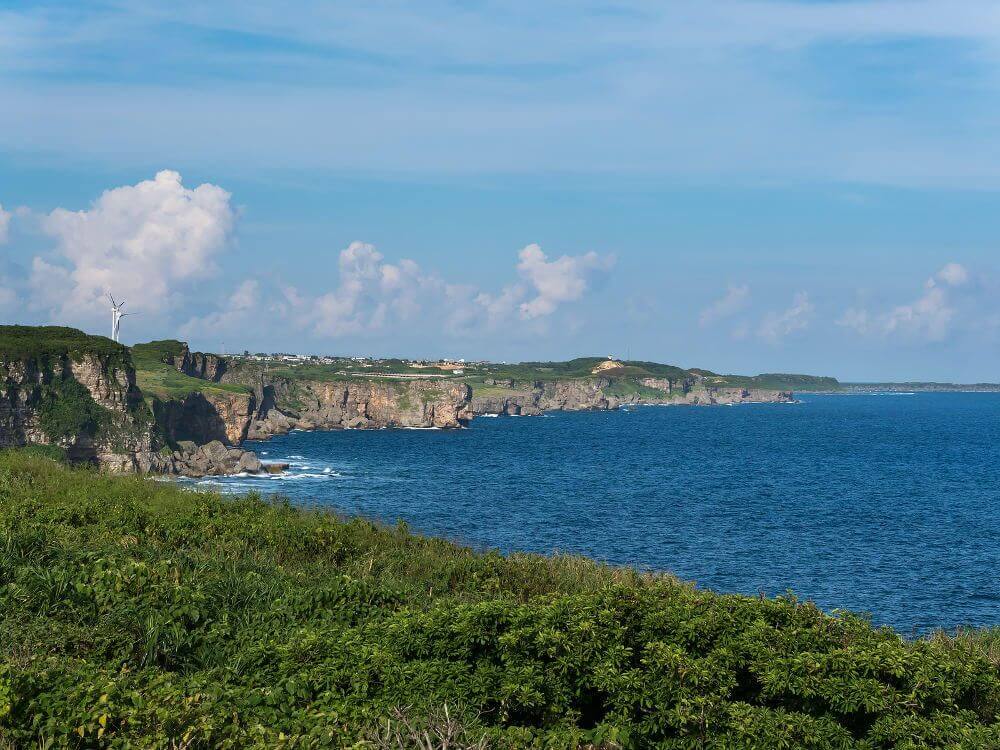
(116, 317)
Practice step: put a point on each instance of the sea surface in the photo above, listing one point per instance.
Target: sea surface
(885, 504)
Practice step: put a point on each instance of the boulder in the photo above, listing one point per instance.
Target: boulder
(249, 463)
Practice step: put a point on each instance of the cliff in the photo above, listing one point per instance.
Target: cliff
(286, 404)
(77, 392)
(520, 398)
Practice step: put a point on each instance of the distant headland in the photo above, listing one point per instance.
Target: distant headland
(158, 407)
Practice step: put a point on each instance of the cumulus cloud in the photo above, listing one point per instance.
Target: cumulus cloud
(239, 309)
(4, 224)
(144, 242)
(735, 299)
(777, 325)
(555, 282)
(953, 274)
(929, 317)
(372, 294)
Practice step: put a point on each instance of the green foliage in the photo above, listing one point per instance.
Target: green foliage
(49, 342)
(67, 410)
(51, 452)
(157, 378)
(137, 615)
(583, 367)
(157, 352)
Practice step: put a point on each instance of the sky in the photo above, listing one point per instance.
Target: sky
(761, 186)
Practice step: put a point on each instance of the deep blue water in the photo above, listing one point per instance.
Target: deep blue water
(886, 504)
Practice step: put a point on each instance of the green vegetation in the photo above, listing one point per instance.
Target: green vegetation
(67, 410)
(776, 382)
(47, 342)
(583, 367)
(137, 615)
(157, 378)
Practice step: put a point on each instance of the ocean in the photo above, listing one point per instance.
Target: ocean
(881, 504)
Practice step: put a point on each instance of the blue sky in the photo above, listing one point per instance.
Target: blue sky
(742, 186)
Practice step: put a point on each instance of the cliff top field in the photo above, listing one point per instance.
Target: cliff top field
(587, 367)
(579, 368)
(156, 377)
(19, 342)
(137, 615)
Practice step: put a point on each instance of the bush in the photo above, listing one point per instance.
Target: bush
(134, 614)
(67, 409)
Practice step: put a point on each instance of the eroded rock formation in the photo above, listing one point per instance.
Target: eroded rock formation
(597, 393)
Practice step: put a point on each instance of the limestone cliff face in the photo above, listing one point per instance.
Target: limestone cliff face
(365, 404)
(204, 417)
(581, 394)
(199, 365)
(104, 422)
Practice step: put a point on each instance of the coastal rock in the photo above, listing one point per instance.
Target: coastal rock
(287, 405)
(212, 459)
(602, 393)
(198, 365)
(205, 416)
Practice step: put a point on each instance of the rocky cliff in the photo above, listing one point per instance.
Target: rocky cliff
(64, 388)
(199, 365)
(202, 417)
(597, 393)
(286, 404)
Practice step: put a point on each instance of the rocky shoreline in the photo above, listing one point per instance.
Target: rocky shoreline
(199, 433)
(514, 398)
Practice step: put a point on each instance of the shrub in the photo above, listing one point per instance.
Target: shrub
(137, 615)
(67, 409)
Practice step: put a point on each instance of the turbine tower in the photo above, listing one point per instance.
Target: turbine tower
(116, 317)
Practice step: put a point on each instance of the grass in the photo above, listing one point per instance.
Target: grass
(23, 342)
(583, 367)
(137, 615)
(157, 378)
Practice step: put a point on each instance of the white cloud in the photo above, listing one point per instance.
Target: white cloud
(734, 300)
(777, 325)
(372, 294)
(4, 224)
(857, 318)
(556, 282)
(929, 317)
(953, 274)
(239, 310)
(146, 243)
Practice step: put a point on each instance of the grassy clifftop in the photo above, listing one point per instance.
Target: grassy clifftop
(137, 615)
(20, 342)
(584, 367)
(158, 378)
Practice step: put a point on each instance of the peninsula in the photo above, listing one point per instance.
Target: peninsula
(161, 408)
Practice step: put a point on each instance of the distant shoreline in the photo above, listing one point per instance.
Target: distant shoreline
(918, 387)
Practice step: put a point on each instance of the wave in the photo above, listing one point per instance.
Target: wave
(307, 475)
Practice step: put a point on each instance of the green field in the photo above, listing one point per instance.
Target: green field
(156, 378)
(583, 367)
(134, 614)
(24, 342)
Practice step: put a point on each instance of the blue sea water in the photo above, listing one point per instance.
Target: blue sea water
(886, 504)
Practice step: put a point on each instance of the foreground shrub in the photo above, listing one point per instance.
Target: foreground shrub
(133, 614)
